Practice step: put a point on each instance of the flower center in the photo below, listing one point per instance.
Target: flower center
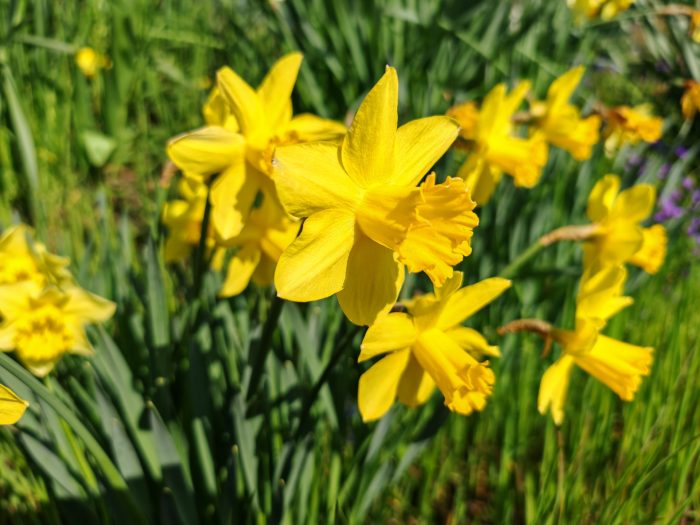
(42, 335)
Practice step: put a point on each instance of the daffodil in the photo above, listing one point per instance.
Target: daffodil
(650, 256)
(41, 324)
(494, 148)
(605, 9)
(618, 365)
(428, 347)
(627, 125)
(22, 258)
(183, 217)
(90, 61)
(365, 218)
(12, 407)
(690, 101)
(267, 233)
(245, 125)
(561, 122)
(617, 236)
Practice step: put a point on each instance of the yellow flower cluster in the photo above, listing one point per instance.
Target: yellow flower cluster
(43, 310)
(627, 125)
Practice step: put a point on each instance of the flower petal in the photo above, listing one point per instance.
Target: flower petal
(309, 128)
(376, 391)
(470, 299)
(368, 148)
(553, 388)
(389, 333)
(240, 270)
(315, 264)
(310, 178)
(372, 283)
(206, 151)
(416, 385)
(472, 341)
(635, 203)
(275, 91)
(12, 407)
(419, 145)
(602, 197)
(232, 196)
(87, 306)
(243, 100)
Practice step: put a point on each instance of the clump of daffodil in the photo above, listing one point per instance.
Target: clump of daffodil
(493, 147)
(605, 9)
(22, 258)
(244, 126)
(267, 233)
(184, 217)
(365, 218)
(90, 61)
(560, 122)
(12, 407)
(428, 347)
(618, 365)
(690, 101)
(41, 324)
(627, 125)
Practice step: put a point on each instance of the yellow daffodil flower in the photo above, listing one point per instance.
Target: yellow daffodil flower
(365, 218)
(267, 233)
(617, 237)
(561, 122)
(42, 324)
(650, 257)
(495, 150)
(618, 365)
(605, 9)
(12, 407)
(428, 347)
(90, 61)
(245, 126)
(690, 101)
(626, 125)
(183, 217)
(24, 259)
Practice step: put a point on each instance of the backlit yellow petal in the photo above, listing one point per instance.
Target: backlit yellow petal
(635, 203)
(206, 151)
(389, 333)
(243, 101)
(88, 306)
(314, 266)
(553, 388)
(12, 407)
(308, 128)
(276, 88)
(600, 292)
(602, 197)
(472, 341)
(468, 300)
(377, 388)
(240, 270)
(368, 149)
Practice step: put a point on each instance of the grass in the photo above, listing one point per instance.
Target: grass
(164, 397)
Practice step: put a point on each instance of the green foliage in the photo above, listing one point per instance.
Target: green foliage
(201, 410)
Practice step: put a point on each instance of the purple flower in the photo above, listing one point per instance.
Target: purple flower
(695, 197)
(669, 210)
(681, 151)
(663, 170)
(688, 183)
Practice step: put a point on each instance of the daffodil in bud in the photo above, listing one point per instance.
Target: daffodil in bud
(617, 236)
(494, 149)
(12, 407)
(428, 347)
(266, 234)
(618, 365)
(183, 218)
(22, 258)
(365, 219)
(627, 125)
(41, 324)
(690, 101)
(561, 122)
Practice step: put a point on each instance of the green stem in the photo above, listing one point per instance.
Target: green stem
(200, 258)
(510, 270)
(264, 345)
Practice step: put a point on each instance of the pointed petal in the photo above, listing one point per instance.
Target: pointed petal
(389, 333)
(311, 128)
(419, 145)
(315, 264)
(376, 391)
(635, 203)
(275, 91)
(243, 101)
(87, 306)
(372, 283)
(553, 388)
(240, 270)
(416, 385)
(470, 299)
(12, 407)
(368, 148)
(15, 298)
(602, 197)
(472, 341)
(310, 178)
(232, 196)
(206, 151)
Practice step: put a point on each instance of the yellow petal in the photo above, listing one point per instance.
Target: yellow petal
(480, 177)
(389, 333)
(368, 148)
(600, 293)
(615, 246)
(206, 151)
(12, 407)
(377, 388)
(553, 388)
(16, 298)
(470, 299)
(309, 128)
(276, 89)
(419, 145)
(635, 203)
(416, 385)
(602, 197)
(650, 257)
(240, 270)
(372, 283)
(472, 341)
(563, 87)
(315, 264)
(87, 306)
(243, 101)
(310, 178)
(232, 196)
(217, 113)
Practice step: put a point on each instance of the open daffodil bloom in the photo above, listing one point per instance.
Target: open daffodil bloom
(427, 347)
(365, 218)
(12, 407)
(24, 259)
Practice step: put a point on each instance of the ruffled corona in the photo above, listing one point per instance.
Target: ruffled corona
(652, 254)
